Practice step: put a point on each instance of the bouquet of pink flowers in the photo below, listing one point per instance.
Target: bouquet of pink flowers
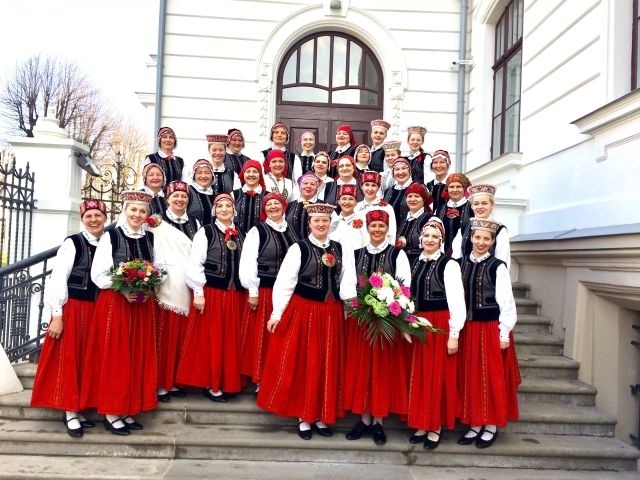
(385, 308)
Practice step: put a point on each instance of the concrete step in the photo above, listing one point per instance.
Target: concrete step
(17, 467)
(548, 366)
(527, 306)
(535, 417)
(26, 372)
(532, 324)
(281, 443)
(520, 290)
(556, 391)
(538, 344)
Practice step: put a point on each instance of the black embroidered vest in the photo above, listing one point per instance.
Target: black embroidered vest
(79, 284)
(273, 247)
(427, 284)
(316, 281)
(172, 168)
(125, 249)
(200, 206)
(369, 263)
(221, 264)
(479, 280)
(248, 209)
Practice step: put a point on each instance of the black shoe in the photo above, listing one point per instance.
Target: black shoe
(432, 444)
(131, 423)
(480, 443)
(304, 434)
(222, 398)
(379, 437)
(464, 440)
(323, 431)
(415, 439)
(115, 430)
(87, 423)
(164, 397)
(73, 432)
(178, 393)
(358, 431)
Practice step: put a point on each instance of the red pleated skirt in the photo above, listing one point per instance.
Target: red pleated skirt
(120, 374)
(433, 395)
(210, 356)
(254, 336)
(376, 378)
(302, 375)
(488, 378)
(170, 336)
(59, 375)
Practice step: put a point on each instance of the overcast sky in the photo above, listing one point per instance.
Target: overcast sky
(111, 40)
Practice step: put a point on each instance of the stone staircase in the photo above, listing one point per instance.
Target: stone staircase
(559, 427)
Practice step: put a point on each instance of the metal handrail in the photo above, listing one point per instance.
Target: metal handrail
(22, 328)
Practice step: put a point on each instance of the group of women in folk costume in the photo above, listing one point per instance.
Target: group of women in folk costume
(256, 292)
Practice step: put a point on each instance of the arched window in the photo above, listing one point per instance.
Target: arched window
(330, 68)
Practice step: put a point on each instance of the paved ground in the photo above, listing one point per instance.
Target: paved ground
(73, 468)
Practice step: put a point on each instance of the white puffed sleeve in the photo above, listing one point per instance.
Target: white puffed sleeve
(195, 270)
(248, 270)
(56, 293)
(454, 290)
(506, 302)
(286, 281)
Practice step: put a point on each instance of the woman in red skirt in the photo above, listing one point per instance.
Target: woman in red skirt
(263, 250)
(71, 296)
(302, 375)
(210, 357)
(376, 374)
(437, 287)
(121, 346)
(488, 374)
(174, 232)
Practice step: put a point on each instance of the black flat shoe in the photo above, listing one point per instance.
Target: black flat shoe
(358, 431)
(379, 437)
(464, 440)
(73, 432)
(115, 430)
(131, 424)
(432, 444)
(415, 439)
(323, 431)
(222, 398)
(178, 393)
(87, 423)
(304, 434)
(480, 443)
(164, 397)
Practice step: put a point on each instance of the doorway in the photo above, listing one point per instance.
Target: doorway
(325, 80)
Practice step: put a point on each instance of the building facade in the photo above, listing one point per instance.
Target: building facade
(537, 97)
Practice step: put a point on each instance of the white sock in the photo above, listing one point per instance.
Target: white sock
(377, 420)
(128, 419)
(75, 423)
(489, 432)
(81, 417)
(320, 424)
(175, 389)
(434, 436)
(216, 393)
(366, 418)
(420, 433)
(162, 391)
(304, 426)
(115, 420)
(470, 433)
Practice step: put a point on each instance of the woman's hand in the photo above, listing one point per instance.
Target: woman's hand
(55, 327)
(452, 346)
(504, 345)
(272, 324)
(253, 303)
(198, 304)
(133, 297)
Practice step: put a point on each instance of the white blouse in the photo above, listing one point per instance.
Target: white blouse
(503, 247)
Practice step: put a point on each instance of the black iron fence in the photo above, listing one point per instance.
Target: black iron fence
(21, 305)
(114, 179)
(17, 204)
